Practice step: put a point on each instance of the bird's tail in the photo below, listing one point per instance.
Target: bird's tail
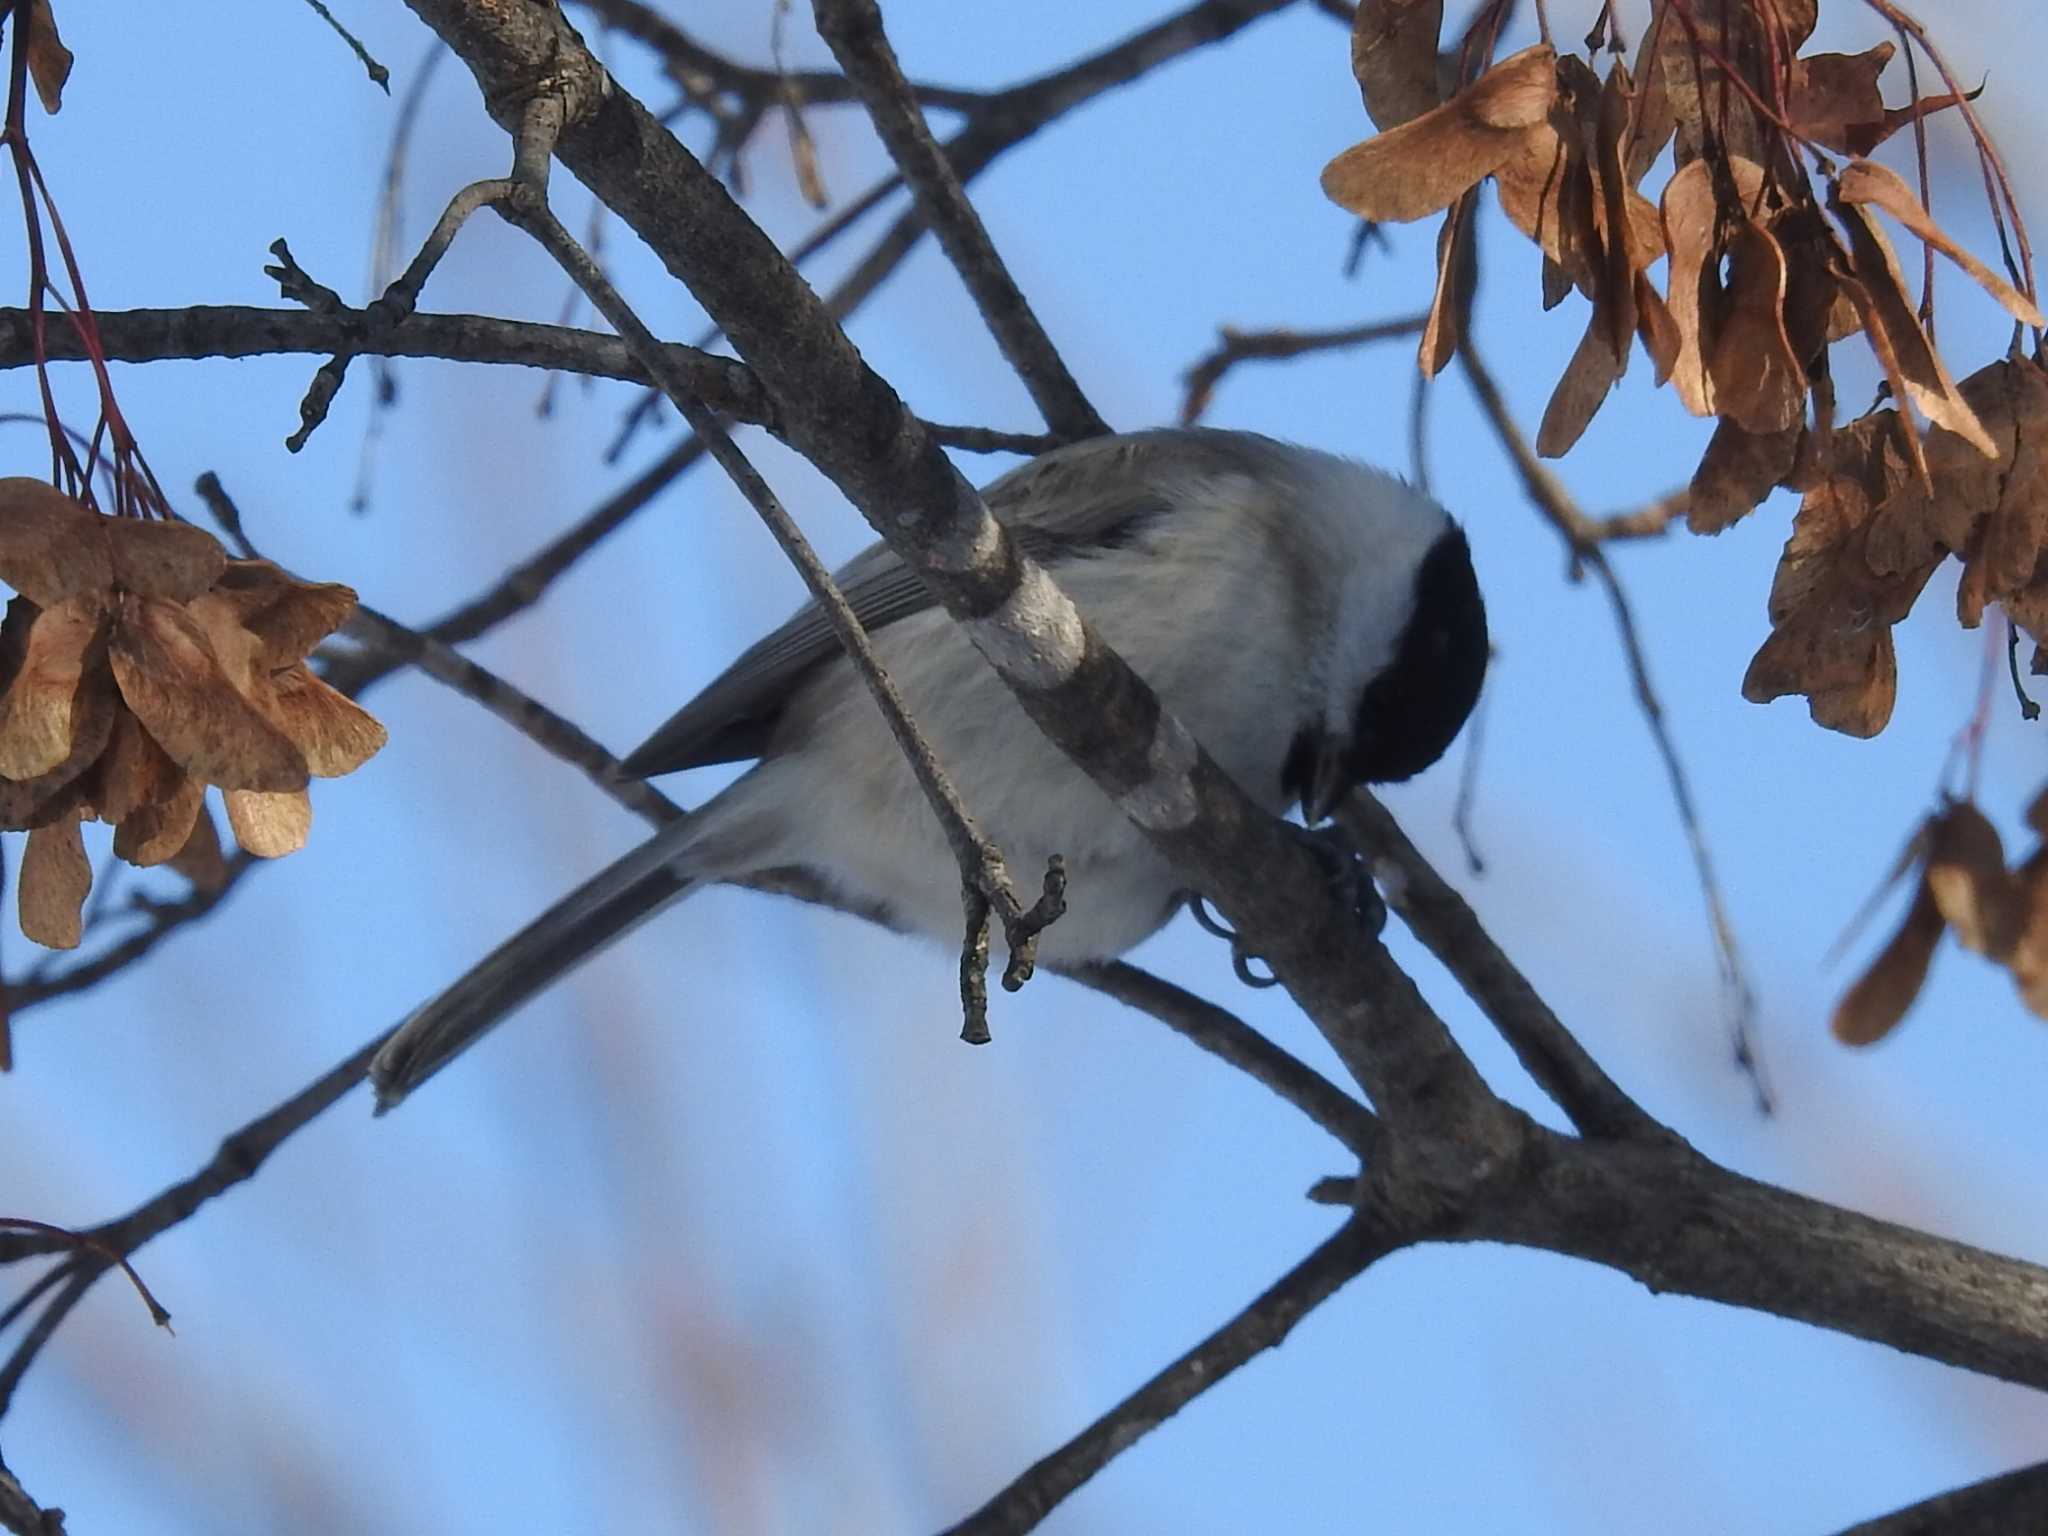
(606, 907)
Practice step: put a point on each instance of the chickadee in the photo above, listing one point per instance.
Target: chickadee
(1315, 623)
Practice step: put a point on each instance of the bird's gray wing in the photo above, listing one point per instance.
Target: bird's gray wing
(1090, 495)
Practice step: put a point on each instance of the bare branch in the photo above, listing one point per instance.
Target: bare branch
(984, 875)
(238, 1159)
(557, 736)
(2013, 1501)
(1235, 346)
(1224, 1035)
(1678, 1222)
(1259, 1327)
(853, 28)
(1579, 531)
(21, 1514)
(704, 71)
(1439, 917)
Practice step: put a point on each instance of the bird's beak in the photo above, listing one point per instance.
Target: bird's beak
(1329, 781)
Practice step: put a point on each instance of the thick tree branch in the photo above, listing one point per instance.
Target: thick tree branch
(21, 1514)
(1997, 1506)
(849, 423)
(1678, 1222)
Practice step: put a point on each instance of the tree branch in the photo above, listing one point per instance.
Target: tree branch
(1678, 1222)
(1225, 1036)
(853, 28)
(1580, 533)
(1448, 928)
(848, 422)
(1259, 1327)
(1997, 1506)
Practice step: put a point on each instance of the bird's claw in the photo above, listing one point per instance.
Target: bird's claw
(1349, 879)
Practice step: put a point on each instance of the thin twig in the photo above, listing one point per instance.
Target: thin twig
(1556, 504)
(707, 71)
(1237, 346)
(238, 1159)
(853, 29)
(1450, 930)
(525, 714)
(522, 203)
(377, 72)
(1224, 1035)
(1259, 1327)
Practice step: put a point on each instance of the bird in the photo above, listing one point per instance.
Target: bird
(1315, 622)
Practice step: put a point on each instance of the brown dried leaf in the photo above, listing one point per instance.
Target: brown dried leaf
(1796, 20)
(32, 802)
(1862, 141)
(1872, 1008)
(1531, 185)
(269, 825)
(1711, 114)
(1756, 380)
(2029, 959)
(1865, 181)
(2012, 400)
(1588, 377)
(1412, 171)
(1991, 511)
(1834, 99)
(1615, 303)
(1967, 876)
(154, 833)
(200, 860)
(1440, 331)
(49, 61)
(1738, 470)
(172, 680)
(1693, 220)
(336, 734)
(51, 548)
(54, 687)
(55, 880)
(1653, 117)
(1393, 54)
(1813, 253)
(132, 772)
(1831, 608)
(174, 561)
(1658, 330)
(1911, 362)
(288, 616)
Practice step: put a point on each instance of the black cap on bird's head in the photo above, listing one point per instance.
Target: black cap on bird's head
(1405, 715)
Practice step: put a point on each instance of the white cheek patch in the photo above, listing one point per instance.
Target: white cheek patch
(1035, 639)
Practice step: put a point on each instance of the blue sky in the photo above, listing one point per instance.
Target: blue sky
(728, 1234)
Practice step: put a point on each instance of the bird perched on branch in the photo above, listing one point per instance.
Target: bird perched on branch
(1314, 622)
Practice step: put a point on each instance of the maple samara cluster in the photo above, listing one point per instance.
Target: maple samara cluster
(138, 665)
